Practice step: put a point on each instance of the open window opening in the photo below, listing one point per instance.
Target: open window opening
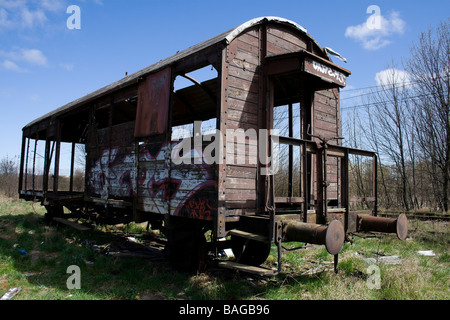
(71, 171)
(195, 100)
(34, 165)
(68, 169)
(287, 121)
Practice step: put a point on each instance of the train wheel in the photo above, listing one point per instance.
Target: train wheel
(249, 252)
(53, 211)
(186, 248)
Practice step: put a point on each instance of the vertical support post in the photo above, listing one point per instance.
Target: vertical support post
(34, 163)
(57, 155)
(26, 164)
(22, 157)
(72, 167)
(319, 186)
(219, 223)
(375, 184)
(325, 183)
(46, 165)
(306, 111)
(305, 182)
(291, 153)
(345, 187)
(110, 124)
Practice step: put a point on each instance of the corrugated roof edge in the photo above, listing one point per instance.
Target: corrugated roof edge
(227, 36)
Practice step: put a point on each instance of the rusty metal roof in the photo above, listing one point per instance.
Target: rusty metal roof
(225, 37)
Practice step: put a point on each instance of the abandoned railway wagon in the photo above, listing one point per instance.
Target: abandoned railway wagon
(250, 156)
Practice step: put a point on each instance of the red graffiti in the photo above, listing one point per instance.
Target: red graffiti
(199, 208)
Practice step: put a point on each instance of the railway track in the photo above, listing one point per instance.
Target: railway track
(421, 216)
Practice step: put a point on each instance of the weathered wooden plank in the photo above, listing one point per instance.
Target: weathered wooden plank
(250, 148)
(71, 224)
(243, 84)
(237, 115)
(248, 235)
(277, 45)
(288, 35)
(289, 199)
(242, 195)
(246, 268)
(238, 72)
(244, 65)
(247, 57)
(324, 126)
(241, 125)
(250, 37)
(326, 117)
(242, 95)
(242, 105)
(247, 47)
(241, 204)
(241, 172)
(240, 183)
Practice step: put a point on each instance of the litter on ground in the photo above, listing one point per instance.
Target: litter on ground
(428, 253)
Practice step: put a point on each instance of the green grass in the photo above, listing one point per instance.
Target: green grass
(306, 273)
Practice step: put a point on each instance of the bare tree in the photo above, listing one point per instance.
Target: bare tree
(8, 176)
(429, 69)
(369, 131)
(389, 110)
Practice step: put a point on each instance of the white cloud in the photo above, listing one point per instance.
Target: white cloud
(31, 19)
(17, 14)
(4, 18)
(53, 5)
(376, 37)
(31, 57)
(392, 76)
(12, 66)
(34, 57)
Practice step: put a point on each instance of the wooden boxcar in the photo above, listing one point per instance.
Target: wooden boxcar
(250, 155)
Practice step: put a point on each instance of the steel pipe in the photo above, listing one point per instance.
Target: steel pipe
(397, 225)
(332, 236)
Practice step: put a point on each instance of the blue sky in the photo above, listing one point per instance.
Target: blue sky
(44, 64)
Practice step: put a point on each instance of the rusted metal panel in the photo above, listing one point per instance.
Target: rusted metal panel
(152, 115)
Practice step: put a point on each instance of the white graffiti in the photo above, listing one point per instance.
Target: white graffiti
(329, 71)
(160, 185)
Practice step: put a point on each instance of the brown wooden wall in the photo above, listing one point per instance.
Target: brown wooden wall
(242, 104)
(326, 123)
(244, 97)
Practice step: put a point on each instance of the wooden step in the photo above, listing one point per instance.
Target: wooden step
(248, 235)
(246, 268)
(71, 224)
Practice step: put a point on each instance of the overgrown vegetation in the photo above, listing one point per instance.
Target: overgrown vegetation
(306, 273)
(406, 120)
